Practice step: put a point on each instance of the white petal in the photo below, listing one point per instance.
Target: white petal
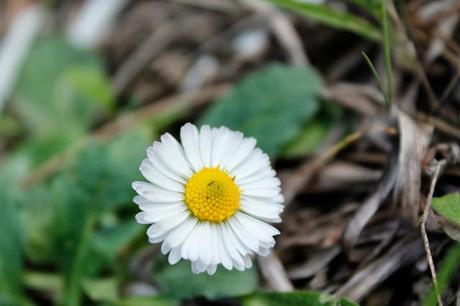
(265, 211)
(206, 247)
(147, 205)
(267, 245)
(233, 252)
(229, 148)
(245, 238)
(255, 162)
(279, 198)
(259, 229)
(269, 205)
(140, 218)
(165, 248)
(160, 229)
(223, 256)
(220, 138)
(156, 194)
(265, 183)
(177, 236)
(157, 239)
(158, 178)
(247, 262)
(247, 145)
(211, 269)
(191, 245)
(261, 193)
(172, 154)
(159, 215)
(259, 175)
(263, 251)
(214, 248)
(206, 145)
(262, 214)
(276, 199)
(190, 139)
(268, 193)
(174, 256)
(198, 266)
(238, 266)
(240, 247)
(159, 165)
(253, 233)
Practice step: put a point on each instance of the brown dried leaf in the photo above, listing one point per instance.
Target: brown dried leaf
(413, 145)
(314, 264)
(407, 250)
(370, 206)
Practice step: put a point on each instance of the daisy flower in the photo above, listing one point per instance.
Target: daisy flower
(209, 199)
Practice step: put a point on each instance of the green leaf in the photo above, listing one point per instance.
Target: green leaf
(448, 206)
(37, 213)
(107, 243)
(332, 17)
(78, 261)
(51, 283)
(310, 139)
(178, 281)
(297, 298)
(92, 83)
(9, 126)
(146, 301)
(101, 289)
(95, 183)
(271, 105)
(106, 171)
(60, 88)
(10, 244)
(446, 272)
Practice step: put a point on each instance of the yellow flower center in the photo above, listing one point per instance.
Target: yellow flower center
(212, 195)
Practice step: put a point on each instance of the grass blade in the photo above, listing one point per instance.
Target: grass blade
(379, 82)
(448, 267)
(371, 6)
(387, 50)
(332, 17)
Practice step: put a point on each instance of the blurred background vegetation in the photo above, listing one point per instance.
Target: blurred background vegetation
(86, 86)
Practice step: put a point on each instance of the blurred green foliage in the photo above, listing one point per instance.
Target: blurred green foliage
(61, 89)
(448, 206)
(179, 282)
(10, 245)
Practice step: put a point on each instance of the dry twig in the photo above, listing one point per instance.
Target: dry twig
(438, 166)
(294, 181)
(274, 274)
(368, 277)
